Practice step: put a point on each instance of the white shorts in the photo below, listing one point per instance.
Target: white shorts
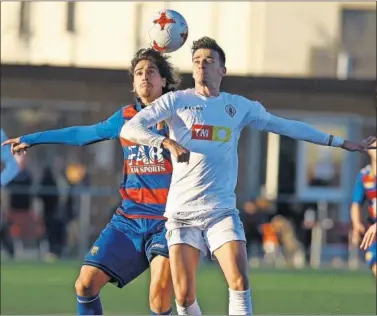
(205, 230)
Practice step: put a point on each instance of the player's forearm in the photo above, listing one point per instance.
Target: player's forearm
(355, 214)
(76, 136)
(301, 131)
(136, 131)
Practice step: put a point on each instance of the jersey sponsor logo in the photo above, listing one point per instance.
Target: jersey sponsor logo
(146, 160)
(211, 133)
(194, 107)
(230, 109)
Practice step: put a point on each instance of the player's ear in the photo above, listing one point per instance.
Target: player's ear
(224, 70)
(164, 82)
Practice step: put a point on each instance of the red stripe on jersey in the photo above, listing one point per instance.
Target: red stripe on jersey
(140, 168)
(145, 196)
(129, 112)
(136, 216)
(125, 142)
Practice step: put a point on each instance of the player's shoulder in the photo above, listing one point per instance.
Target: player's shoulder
(239, 101)
(366, 170)
(179, 98)
(237, 97)
(187, 93)
(126, 111)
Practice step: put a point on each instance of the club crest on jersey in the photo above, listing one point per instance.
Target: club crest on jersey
(94, 250)
(211, 133)
(369, 256)
(231, 110)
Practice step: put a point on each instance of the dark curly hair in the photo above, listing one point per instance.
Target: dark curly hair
(165, 68)
(209, 43)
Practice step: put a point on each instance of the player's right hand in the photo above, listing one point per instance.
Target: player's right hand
(179, 152)
(357, 231)
(369, 237)
(16, 146)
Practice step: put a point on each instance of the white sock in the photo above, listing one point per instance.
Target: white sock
(193, 309)
(240, 303)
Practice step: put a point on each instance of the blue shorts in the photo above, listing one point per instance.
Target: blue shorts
(126, 253)
(370, 255)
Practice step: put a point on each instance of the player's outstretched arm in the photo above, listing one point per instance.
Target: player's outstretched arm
(75, 135)
(303, 131)
(262, 120)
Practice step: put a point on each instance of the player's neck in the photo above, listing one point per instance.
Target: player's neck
(207, 91)
(145, 101)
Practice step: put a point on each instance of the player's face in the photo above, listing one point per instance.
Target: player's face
(148, 82)
(207, 67)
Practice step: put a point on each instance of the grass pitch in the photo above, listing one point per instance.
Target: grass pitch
(38, 288)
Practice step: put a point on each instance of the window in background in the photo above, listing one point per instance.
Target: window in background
(322, 171)
(358, 40)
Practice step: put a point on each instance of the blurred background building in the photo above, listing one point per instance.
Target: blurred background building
(290, 39)
(65, 63)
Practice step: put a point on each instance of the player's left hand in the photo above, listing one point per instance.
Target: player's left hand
(362, 146)
(16, 146)
(369, 237)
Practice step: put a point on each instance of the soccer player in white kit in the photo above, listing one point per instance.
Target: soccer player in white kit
(205, 125)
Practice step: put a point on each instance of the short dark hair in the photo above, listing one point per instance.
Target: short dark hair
(209, 43)
(165, 68)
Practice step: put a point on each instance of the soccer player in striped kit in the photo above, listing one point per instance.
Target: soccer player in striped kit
(365, 191)
(135, 237)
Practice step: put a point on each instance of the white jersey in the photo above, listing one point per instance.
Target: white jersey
(210, 128)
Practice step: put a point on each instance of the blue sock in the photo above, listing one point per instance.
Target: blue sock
(89, 305)
(168, 312)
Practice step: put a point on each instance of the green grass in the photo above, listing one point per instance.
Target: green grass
(36, 288)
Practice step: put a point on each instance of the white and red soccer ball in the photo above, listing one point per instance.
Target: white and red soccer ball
(168, 31)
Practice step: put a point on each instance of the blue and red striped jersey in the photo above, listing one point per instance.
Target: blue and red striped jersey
(146, 170)
(146, 174)
(365, 190)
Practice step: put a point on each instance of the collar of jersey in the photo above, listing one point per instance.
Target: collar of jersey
(219, 97)
(138, 106)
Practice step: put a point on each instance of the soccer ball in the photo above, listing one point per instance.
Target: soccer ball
(168, 31)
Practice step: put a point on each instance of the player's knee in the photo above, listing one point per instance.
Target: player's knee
(90, 281)
(160, 296)
(184, 298)
(85, 286)
(239, 282)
